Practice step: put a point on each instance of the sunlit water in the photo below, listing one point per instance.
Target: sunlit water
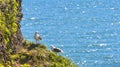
(88, 31)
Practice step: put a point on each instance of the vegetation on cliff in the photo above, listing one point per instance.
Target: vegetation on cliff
(33, 55)
(14, 52)
(8, 14)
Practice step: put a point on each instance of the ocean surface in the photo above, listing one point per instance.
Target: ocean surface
(88, 31)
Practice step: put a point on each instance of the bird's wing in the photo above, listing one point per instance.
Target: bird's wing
(57, 50)
(40, 38)
(60, 49)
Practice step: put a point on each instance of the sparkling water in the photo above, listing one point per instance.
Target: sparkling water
(88, 31)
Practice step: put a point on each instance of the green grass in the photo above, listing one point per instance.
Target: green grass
(37, 55)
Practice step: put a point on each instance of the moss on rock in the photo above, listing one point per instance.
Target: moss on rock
(39, 56)
(8, 18)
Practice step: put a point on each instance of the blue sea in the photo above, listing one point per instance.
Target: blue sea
(88, 31)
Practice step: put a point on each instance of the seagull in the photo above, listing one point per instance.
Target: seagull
(56, 50)
(37, 37)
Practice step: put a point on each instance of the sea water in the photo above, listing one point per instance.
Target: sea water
(88, 31)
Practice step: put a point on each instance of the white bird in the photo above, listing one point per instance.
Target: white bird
(37, 37)
(56, 50)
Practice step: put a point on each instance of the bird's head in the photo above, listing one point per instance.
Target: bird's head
(36, 32)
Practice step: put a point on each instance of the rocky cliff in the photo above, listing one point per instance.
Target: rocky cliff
(10, 16)
(14, 52)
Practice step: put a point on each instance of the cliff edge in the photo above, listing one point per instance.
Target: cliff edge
(16, 52)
